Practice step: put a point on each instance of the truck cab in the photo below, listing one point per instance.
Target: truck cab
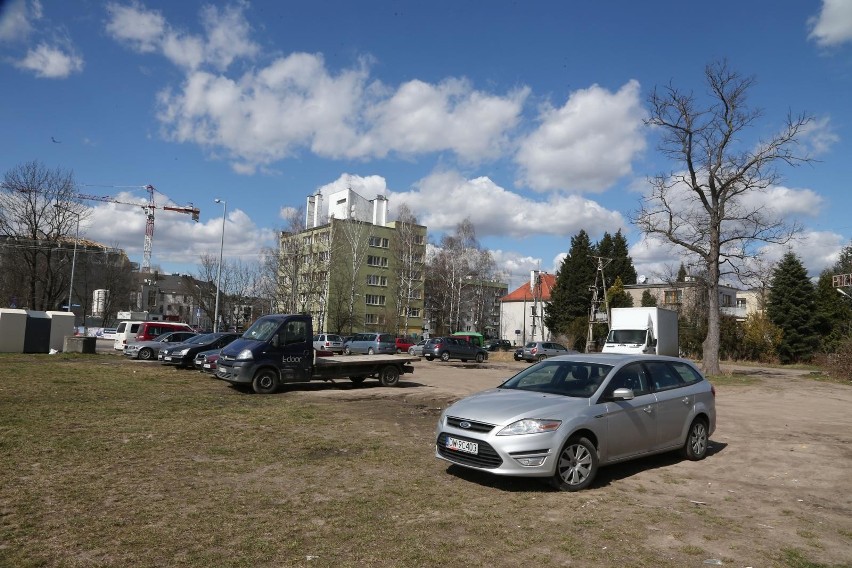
(276, 348)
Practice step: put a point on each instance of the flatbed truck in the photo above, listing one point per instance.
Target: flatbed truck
(278, 349)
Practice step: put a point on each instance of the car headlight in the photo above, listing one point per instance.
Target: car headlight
(530, 426)
(181, 352)
(245, 355)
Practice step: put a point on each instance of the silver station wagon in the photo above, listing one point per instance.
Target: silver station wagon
(566, 416)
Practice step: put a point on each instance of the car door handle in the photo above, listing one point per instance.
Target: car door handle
(648, 409)
(685, 400)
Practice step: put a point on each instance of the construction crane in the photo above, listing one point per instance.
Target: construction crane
(149, 214)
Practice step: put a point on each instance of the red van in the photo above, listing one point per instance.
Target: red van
(148, 330)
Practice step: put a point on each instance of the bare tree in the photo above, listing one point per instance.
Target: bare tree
(408, 253)
(38, 211)
(354, 236)
(704, 206)
(456, 269)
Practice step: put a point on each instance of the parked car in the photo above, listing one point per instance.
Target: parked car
(565, 417)
(152, 329)
(370, 343)
(446, 348)
(498, 345)
(519, 354)
(540, 350)
(403, 344)
(417, 348)
(205, 361)
(183, 354)
(328, 342)
(148, 350)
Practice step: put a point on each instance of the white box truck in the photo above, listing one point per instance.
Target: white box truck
(652, 331)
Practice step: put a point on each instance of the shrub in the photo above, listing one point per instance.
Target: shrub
(839, 363)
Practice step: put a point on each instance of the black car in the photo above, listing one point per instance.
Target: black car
(446, 348)
(499, 345)
(183, 354)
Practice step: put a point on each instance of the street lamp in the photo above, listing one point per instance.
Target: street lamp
(74, 256)
(219, 271)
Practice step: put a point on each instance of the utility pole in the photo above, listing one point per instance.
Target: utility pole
(596, 315)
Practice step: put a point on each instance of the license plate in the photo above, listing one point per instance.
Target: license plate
(167, 358)
(209, 366)
(462, 446)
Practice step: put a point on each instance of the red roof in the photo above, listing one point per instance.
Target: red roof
(548, 281)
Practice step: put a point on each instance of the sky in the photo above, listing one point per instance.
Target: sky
(525, 117)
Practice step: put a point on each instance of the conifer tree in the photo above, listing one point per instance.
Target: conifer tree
(833, 314)
(648, 299)
(792, 307)
(570, 297)
(617, 297)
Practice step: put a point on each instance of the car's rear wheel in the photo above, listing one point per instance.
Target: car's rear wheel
(480, 357)
(542, 357)
(695, 448)
(576, 465)
(445, 356)
(265, 382)
(146, 354)
(370, 351)
(389, 376)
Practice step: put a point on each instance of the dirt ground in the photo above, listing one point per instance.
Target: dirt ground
(777, 476)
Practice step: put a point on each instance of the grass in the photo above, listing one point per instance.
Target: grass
(107, 462)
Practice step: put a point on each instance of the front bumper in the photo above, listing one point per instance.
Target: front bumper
(235, 372)
(501, 455)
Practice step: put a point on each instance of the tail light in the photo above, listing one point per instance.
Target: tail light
(713, 390)
(534, 350)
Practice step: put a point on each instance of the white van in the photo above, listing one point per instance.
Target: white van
(126, 331)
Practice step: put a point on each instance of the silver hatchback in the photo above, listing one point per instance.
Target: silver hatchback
(566, 416)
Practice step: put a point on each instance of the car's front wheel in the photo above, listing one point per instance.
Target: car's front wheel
(347, 351)
(265, 381)
(146, 354)
(576, 465)
(480, 357)
(695, 448)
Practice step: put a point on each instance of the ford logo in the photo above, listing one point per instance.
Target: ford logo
(464, 424)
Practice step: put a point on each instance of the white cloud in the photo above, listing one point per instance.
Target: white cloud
(817, 250)
(51, 62)
(295, 103)
(16, 22)
(784, 201)
(819, 136)
(587, 144)
(833, 25)
(444, 199)
(420, 117)
(142, 29)
(226, 36)
(176, 236)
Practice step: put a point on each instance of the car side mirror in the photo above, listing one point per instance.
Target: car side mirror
(276, 340)
(622, 394)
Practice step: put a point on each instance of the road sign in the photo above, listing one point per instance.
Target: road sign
(841, 280)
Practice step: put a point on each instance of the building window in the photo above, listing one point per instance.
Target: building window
(414, 312)
(726, 301)
(380, 261)
(376, 280)
(379, 242)
(374, 319)
(375, 300)
(741, 303)
(418, 239)
(673, 296)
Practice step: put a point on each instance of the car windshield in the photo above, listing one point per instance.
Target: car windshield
(201, 338)
(626, 336)
(262, 330)
(566, 378)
